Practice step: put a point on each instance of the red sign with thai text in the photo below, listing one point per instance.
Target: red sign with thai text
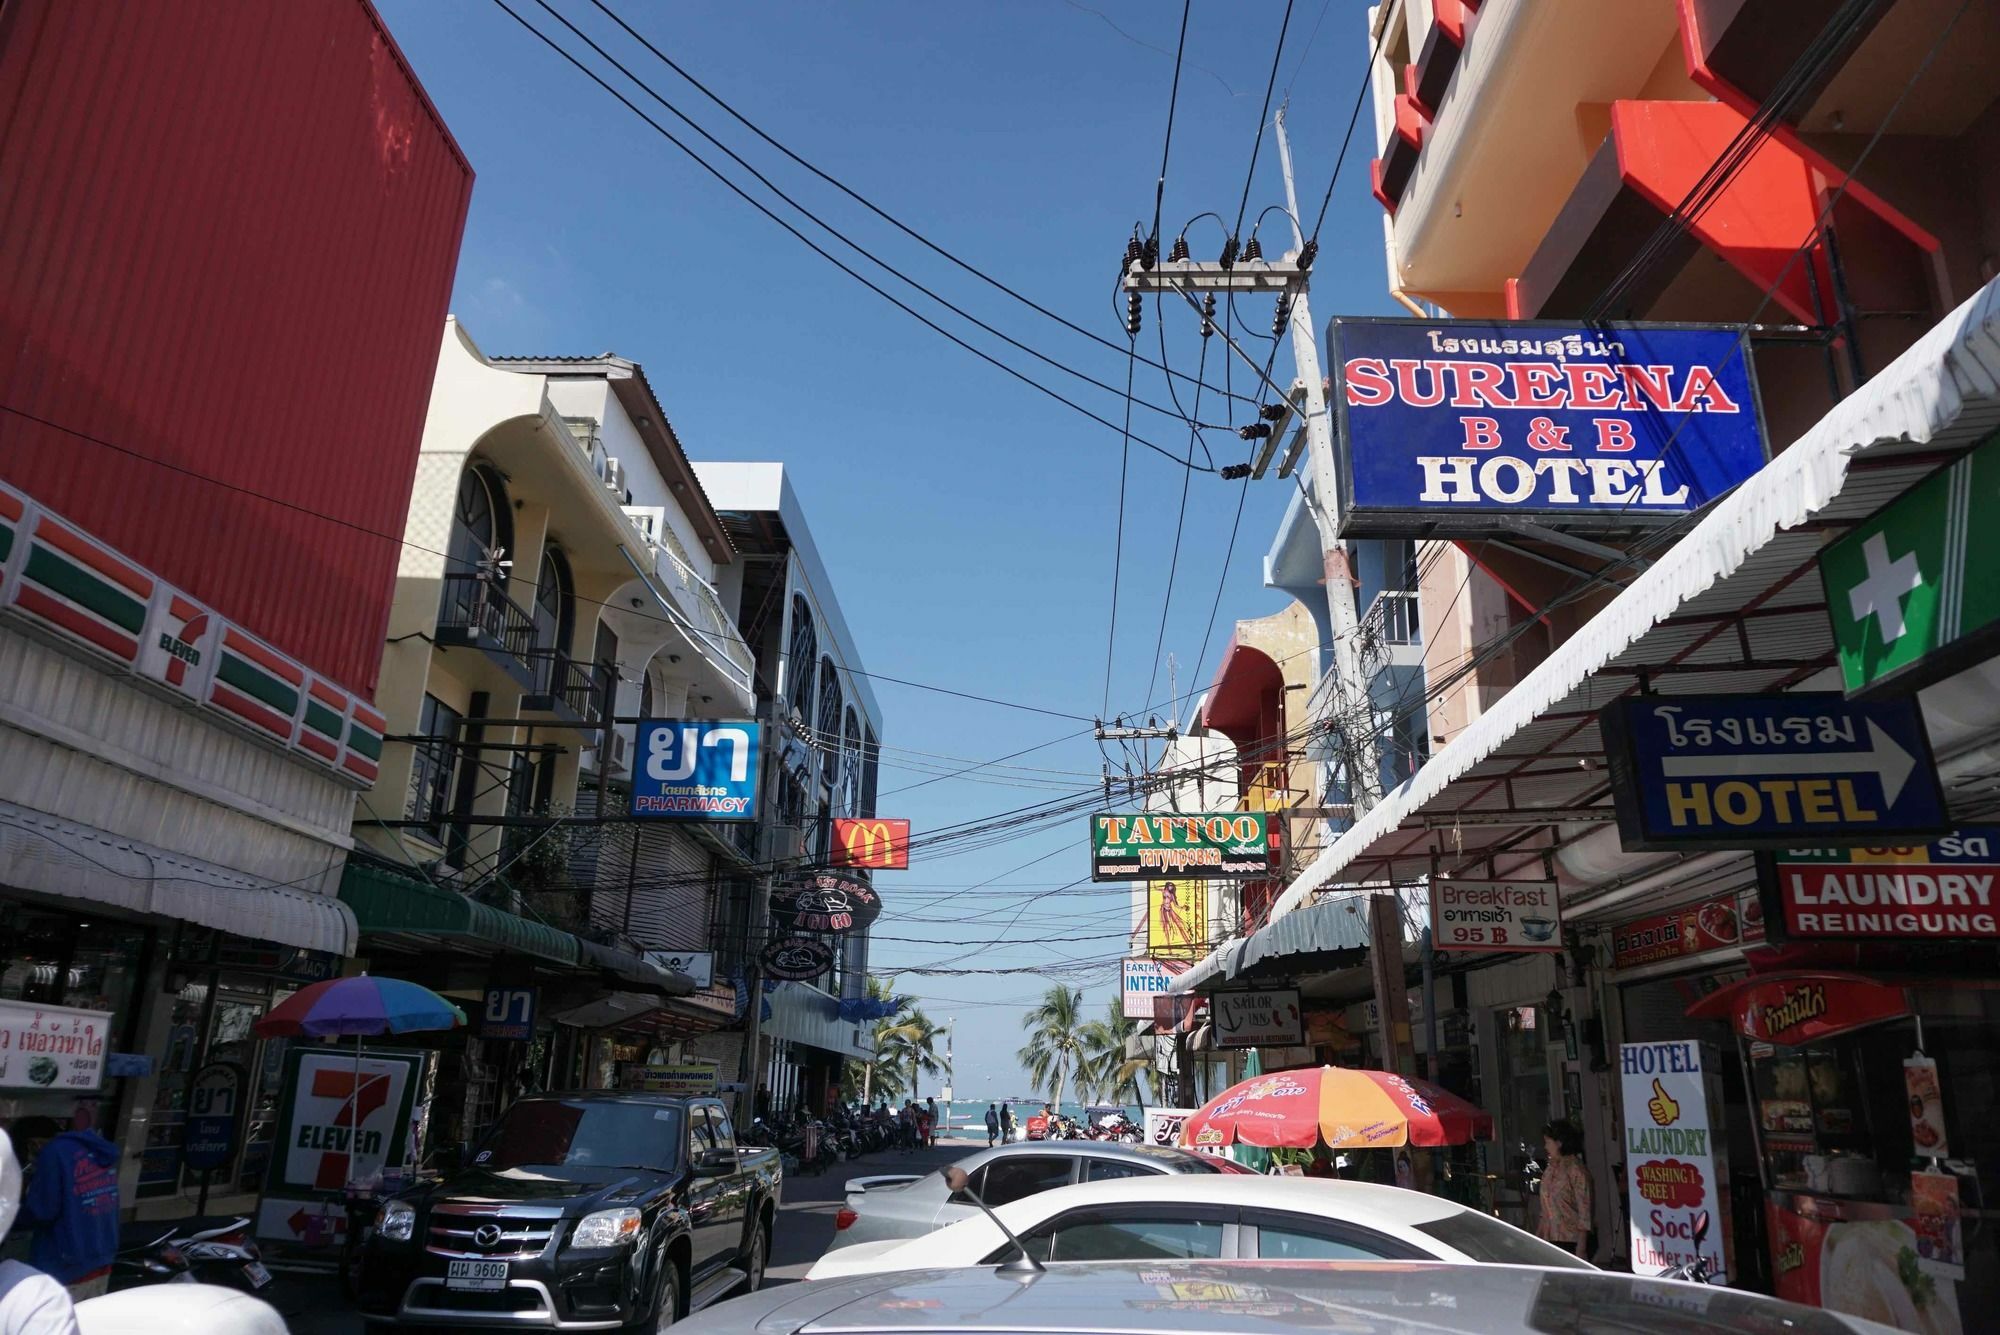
(1713, 924)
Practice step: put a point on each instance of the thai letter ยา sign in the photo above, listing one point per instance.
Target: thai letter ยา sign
(1211, 845)
(1769, 771)
(1454, 428)
(1941, 891)
(825, 901)
(1909, 590)
(214, 1094)
(1670, 1159)
(696, 770)
(1495, 915)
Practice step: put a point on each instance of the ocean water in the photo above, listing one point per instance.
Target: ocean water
(972, 1112)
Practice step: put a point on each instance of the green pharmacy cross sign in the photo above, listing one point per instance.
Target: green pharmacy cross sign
(1914, 590)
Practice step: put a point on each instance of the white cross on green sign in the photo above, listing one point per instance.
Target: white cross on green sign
(1913, 591)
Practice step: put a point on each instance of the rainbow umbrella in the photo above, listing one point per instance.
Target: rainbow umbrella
(1337, 1107)
(362, 1005)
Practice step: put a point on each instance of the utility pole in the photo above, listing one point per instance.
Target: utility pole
(1289, 277)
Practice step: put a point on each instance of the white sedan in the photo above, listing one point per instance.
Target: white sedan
(1211, 1218)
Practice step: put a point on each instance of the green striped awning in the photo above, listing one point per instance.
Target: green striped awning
(388, 904)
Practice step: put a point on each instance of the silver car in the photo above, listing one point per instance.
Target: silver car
(1246, 1298)
(882, 1208)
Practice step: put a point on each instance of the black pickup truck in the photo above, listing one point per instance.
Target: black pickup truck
(592, 1211)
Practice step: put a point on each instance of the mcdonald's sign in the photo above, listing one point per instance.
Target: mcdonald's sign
(872, 842)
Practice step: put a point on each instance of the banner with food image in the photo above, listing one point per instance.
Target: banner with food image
(54, 1048)
(1720, 923)
(1860, 1259)
(1495, 916)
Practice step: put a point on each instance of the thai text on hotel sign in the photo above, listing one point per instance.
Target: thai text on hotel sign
(1452, 427)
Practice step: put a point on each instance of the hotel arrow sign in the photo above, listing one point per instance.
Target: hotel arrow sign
(1769, 771)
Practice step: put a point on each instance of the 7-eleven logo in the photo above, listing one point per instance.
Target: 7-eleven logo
(359, 1097)
(178, 649)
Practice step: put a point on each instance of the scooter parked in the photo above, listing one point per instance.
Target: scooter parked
(216, 1250)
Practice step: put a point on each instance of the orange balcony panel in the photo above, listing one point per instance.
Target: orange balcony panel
(1444, 43)
(1654, 156)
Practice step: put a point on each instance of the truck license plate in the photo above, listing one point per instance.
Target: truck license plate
(475, 1275)
(257, 1274)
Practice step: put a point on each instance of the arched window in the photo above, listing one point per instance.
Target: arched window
(850, 765)
(481, 524)
(799, 659)
(555, 604)
(828, 726)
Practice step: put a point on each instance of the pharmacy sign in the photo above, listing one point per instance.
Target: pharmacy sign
(1910, 590)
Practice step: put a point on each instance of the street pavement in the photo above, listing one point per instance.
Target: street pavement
(313, 1305)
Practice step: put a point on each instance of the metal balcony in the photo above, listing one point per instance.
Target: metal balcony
(1389, 633)
(568, 689)
(711, 621)
(474, 610)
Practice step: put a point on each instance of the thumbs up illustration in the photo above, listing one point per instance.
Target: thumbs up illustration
(1665, 1111)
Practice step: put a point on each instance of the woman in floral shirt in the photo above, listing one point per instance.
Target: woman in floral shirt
(1566, 1216)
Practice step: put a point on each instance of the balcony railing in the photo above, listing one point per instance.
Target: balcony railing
(704, 609)
(475, 609)
(566, 686)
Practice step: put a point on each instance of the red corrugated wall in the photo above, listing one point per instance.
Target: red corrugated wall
(228, 230)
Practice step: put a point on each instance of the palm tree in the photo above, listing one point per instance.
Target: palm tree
(907, 1041)
(881, 1076)
(1055, 1049)
(1112, 1076)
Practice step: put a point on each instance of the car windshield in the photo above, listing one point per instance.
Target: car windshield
(583, 1133)
(1484, 1238)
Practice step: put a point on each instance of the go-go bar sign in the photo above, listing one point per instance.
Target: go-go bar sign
(1210, 845)
(1769, 771)
(1461, 428)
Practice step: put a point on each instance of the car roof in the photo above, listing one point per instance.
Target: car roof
(608, 1096)
(1244, 1298)
(1363, 1202)
(1086, 1149)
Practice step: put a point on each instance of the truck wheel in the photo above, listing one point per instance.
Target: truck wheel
(756, 1255)
(667, 1310)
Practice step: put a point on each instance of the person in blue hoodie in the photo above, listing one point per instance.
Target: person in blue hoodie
(72, 1202)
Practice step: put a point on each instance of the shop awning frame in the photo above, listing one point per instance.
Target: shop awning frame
(1733, 607)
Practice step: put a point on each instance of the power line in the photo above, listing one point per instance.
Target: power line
(818, 249)
(1353, 117)
(1257, 144)
(849, 190)
(1118, 544)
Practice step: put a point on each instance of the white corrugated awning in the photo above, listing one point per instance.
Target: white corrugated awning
(52, 856)
(1733, 607)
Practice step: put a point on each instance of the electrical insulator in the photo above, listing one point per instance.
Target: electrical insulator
(1229, 253)
(1149, 257)
(1255, 250)
(1133, 252)
(1135, 306)
(1231, 472)
(1271, 412)
(1306, 254)
(1281, 318)
(1255, 431)
(1208, 315)
(1179, 253)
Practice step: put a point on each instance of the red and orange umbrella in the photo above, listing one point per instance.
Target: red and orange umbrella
(1333, 1106)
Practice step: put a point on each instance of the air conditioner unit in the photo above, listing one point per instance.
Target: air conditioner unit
(614, 475)
(620, 748)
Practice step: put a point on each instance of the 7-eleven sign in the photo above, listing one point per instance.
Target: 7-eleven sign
(343, 1121)
(1911, 590)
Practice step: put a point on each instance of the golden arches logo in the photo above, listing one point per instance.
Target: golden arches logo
(877, 843)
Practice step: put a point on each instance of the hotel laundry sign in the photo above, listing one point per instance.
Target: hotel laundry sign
(1946, 890)
(1453, 428)
(1769, 771)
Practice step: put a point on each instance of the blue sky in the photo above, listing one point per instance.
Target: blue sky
(967, 520)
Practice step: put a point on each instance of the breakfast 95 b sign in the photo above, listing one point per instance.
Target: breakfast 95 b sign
(1495, 915)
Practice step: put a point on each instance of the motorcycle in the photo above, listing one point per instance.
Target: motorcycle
(191, 1251)
(1119, 1128)
(1695, 1271)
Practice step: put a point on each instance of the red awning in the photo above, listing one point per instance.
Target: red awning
(1796, 1008)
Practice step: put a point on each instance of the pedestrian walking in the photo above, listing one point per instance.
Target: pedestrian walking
(31, 1302)
(1566, 1206)
(72, 1202)
(930, 1121)
(1006, 1124)
(992, 1125)
(906, 1127)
